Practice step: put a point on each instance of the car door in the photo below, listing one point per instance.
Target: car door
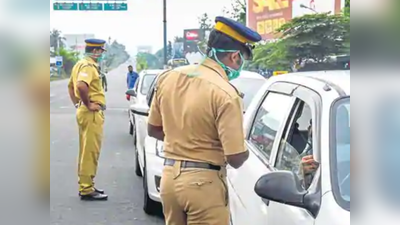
(146, 89)
(304, 117)
(267, 124)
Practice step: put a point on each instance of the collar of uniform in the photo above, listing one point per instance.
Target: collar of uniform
(91, 61)
(214, 65)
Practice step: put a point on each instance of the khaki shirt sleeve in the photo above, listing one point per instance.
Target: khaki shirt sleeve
(155, 117)
(71, 81)
(230, 126)
(86, 74)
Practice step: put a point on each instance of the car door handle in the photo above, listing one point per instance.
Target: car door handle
(266, 201)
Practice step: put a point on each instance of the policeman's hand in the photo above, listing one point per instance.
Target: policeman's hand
(94, 107)
(309, 164)
(106, 89)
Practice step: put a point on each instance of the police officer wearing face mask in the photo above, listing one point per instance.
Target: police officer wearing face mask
(87, 94)
(199, 116)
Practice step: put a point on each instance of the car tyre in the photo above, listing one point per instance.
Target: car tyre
(131, 128)
(138, 172)
(150, 206)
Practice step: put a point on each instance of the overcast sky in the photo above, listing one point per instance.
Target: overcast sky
(141, 24)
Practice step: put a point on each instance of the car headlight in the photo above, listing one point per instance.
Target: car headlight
(160, 149)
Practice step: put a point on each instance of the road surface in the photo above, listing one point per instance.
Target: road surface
(116, 173)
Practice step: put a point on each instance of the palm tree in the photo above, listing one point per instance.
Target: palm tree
(56, 39)
(178, 39)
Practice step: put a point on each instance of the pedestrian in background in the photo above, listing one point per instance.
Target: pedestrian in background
(202, 136)
(131, 78)
(88, 96)
(104, 82)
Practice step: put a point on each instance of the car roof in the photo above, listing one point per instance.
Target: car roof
(338, 78)
(250, 75)
(156, 72)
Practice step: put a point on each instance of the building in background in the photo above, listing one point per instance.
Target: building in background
(76, 42)
(266, 19)
(144, 49)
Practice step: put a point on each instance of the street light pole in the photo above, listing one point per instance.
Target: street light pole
(165, 32)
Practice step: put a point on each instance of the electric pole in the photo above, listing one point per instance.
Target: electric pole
(165, 32)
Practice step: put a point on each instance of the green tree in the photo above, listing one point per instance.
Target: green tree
(152, 61)
(205, 22)
(316, 37)
(115, 55)
(141, 62)
(169, 50)
(272, 55)
(56, 40)
(69, 59)
(178, 39)
(237, 11)
(347, 8)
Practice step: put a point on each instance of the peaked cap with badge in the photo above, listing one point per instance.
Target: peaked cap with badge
(95, 43)
(237, 31)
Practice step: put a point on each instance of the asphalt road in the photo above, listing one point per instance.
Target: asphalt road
(116, 173)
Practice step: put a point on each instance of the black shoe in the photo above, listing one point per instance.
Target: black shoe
(97, 191)
(100, 191)
(94, 196)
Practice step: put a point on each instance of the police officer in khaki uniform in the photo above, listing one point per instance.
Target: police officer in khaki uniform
(87, 94)
(199, 116)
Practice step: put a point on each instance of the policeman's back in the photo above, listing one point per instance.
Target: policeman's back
(192, 104)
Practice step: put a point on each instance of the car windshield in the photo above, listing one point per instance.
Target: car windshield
(340, 160)
(249, 87)
(146, 83)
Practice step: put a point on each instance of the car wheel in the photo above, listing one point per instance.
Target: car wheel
(138, 172)
(150, 206)
(131, 128)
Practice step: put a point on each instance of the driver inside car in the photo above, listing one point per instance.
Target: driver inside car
(308, 165)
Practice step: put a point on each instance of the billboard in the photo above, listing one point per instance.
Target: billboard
(266, 16)
(192, 39)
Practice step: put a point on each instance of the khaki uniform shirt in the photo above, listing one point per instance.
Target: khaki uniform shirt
(87, 70)
(201, 115)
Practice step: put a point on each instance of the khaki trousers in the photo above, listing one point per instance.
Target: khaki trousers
(90, 140)
(194, 196)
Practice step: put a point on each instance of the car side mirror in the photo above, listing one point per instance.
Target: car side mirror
(140, 109)
(131, 93)
(283, 187)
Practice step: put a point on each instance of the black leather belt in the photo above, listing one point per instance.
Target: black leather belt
(187, 164)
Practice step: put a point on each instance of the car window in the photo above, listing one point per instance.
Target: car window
(147, 81)
(269, 118)
(341, 150)
(249, 87)
(136, 87)
(297, 143)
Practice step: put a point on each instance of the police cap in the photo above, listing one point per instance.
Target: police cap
(95, 43)
(237, 31)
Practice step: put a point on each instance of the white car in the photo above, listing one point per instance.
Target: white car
(153, 162)
(138, 123)
(293, 116)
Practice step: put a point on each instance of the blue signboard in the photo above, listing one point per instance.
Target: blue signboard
(90, 6)
(58, 6)
(59, 61)
(115, 6)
